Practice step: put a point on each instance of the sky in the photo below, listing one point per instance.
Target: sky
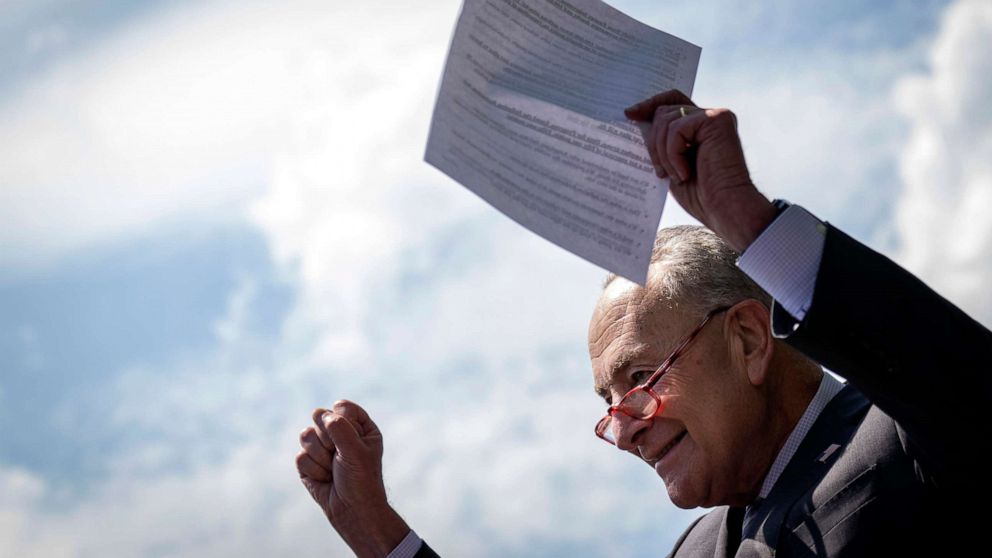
(215, 216)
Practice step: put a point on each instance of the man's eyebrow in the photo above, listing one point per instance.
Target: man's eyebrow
(618, 366)
(621, 363)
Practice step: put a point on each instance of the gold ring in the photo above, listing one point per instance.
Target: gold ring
(682, 112)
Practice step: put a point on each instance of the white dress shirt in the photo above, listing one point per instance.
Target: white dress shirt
(784, 260)
(407, 548)
(829, 387)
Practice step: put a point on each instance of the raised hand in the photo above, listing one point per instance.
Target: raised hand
(341, 466)
(700, 151)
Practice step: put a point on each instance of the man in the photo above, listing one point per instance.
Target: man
(703, 388)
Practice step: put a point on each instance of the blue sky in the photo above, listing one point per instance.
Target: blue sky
(214, 217)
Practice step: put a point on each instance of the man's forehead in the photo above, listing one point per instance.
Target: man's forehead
(626, 310)
(615, 309)
(621, 299)
(630, 313)
(624, 299)
(631, 327)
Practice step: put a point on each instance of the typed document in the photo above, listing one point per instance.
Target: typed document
(529, 116)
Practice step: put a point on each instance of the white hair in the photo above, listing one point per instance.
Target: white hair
(692, 266)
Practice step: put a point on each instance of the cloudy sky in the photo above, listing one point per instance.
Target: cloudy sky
(214, 216)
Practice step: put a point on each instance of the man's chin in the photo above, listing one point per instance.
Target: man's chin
(678, 495)
(681, 501)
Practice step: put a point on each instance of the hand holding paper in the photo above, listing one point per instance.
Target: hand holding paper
(701, 151)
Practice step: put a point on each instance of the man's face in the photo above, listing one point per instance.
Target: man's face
(709, 411)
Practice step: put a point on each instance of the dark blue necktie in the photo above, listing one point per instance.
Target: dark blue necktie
(752, 519)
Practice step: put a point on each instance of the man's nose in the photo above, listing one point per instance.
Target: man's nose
(627, 431)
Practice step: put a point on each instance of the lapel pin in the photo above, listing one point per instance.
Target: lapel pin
(827, 453)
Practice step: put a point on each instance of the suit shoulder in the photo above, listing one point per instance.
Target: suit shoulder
(870, 496)
(701, 535)
(425, 552)
(874, 449)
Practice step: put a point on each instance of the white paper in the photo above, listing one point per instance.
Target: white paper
(529, 116)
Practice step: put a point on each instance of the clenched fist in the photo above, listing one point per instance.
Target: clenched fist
(700, 151)
(341, 467)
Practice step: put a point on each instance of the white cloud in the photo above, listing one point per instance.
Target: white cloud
(18, 490)
(461, 333)
(232, 326)
(433, 312)
(353, 215)
(174, 118)
(821, 131)
(249, 504)
(946, 164)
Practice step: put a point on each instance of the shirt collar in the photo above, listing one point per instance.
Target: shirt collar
(829, 387)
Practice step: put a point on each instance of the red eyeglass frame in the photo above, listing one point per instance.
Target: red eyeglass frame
(648, 385)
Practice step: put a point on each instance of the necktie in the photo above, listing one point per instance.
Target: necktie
(752, 519)
(734, 518)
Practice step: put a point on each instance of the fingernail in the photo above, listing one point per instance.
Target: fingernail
(326, 417)
(682, 175)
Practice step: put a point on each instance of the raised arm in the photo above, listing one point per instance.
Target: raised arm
(914, 354)
(340, 464)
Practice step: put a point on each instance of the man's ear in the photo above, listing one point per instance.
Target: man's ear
(751, 341)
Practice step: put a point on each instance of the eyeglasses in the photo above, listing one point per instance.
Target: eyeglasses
(642, 402)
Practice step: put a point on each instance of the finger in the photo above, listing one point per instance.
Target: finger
(647, 133)
(308, 468)
(344, 435)
(316, 450)
(322, 435)
(654, 130)
(682, 135)
(645, 109)
(358, 416)
(662, 121)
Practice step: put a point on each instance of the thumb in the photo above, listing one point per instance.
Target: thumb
(359, 418)
(343, 434)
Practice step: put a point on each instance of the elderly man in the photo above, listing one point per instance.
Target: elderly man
(710, 373)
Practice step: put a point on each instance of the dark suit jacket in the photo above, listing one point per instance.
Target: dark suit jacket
(907, 476)
(895, 463)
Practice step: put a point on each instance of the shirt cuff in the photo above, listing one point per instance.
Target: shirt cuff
(785, 259)
(408, 547)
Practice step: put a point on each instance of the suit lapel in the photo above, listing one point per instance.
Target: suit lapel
(730, 532)
(822, 445)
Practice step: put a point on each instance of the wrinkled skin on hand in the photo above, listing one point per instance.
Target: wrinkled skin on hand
(702, 155)
(341, 467)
